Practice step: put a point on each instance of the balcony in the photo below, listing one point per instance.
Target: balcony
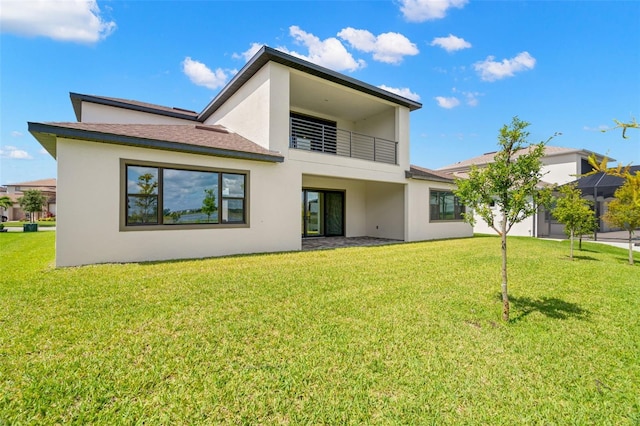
(312, 136)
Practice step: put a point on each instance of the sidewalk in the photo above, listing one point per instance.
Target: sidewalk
(40, 228)
(615, 238)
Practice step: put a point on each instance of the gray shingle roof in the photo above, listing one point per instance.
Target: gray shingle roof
(549, 151)
(192, 138)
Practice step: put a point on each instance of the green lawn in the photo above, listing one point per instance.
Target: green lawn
(401, 334)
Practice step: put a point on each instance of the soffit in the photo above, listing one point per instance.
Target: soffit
(314, 94)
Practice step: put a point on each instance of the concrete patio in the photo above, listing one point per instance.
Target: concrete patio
(324, 243)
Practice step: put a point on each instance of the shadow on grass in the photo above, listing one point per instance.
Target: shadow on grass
(551, 307)
(578, 257)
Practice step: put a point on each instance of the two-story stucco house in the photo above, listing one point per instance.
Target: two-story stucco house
(559, 166)
(287, 150)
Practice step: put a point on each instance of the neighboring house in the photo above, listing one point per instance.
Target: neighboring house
(600, 187)
(559, 166)
(16, 190)
(287, 150)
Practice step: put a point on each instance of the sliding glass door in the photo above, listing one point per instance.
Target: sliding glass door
(322, 213)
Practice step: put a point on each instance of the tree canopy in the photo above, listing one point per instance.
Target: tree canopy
(32, 201)
(624, 211)
(574, 212)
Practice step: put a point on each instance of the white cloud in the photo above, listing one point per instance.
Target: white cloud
(329, 53)
(451, 43)
(390, 48)
(201, 75)
(248, 54)
(402, 91)
(447, 103)
(14, 153)
(425, 10)
(17, 134)
(491, 70)
(472, 98)
(70, 20)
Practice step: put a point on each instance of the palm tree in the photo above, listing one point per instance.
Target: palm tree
(5, 203)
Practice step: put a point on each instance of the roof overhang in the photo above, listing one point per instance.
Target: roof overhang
(47, 135)
(267, 54)
(421, 173)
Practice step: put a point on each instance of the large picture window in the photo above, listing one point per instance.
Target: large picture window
(164, 195)
(443, 205)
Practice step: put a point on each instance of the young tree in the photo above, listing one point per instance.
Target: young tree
(32, 202)
(511, 183)
(209, 203)
(624, 211)
(575, 213)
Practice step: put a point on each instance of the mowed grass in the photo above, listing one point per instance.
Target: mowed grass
(399, 334)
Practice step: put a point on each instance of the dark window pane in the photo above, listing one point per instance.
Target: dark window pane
(444, 206)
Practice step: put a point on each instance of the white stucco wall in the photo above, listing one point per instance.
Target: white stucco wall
(561, 169)
(385, 210)
(251, 110)
(97, 113)
(419, 226)
(324, 164)
(381, 125)
(89, 202)
(523, 229)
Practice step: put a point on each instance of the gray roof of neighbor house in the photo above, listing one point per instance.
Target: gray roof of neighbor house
(190, 138)
(40, 183)
(601, 183)
(549, 151)
(417, 172)
(263, 56)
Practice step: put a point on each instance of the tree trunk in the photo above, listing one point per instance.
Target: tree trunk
(571, 250)
(630, 247)
(505, 294)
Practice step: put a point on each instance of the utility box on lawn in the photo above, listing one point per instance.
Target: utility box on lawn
(30, 227)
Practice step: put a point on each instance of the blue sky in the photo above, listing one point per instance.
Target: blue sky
(565, 66)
